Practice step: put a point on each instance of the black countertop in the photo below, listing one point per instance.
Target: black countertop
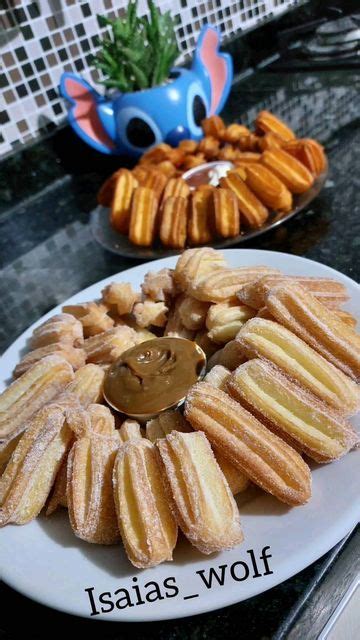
(47, 253)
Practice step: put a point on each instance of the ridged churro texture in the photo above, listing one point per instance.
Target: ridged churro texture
(35, 388)
(290, 171)
(201, 216)
(32, 468)
(309, 152)
(61, 328)
(203, 503)
(89, 479)
(252, 210)
(226, 213)
(109, 345)
(270, 340)
(125, 185)
(92, 316)
(271, 191)
(174, 220)
(143, 217)
(147, 526)
(322, 432)
(224, 320)
(224, 284)
(302, 313)
(330, 292)
(257, 452)
(75, 357)
(87, 384)
(195, 264)
(170, 421)
(267, 122)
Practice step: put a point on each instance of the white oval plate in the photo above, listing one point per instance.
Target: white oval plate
(46, 562)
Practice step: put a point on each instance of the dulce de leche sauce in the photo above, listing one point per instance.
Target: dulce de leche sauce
(153, 376)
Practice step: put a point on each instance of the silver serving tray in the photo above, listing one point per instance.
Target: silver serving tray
(113, 241)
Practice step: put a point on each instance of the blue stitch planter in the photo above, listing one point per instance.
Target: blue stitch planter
(131, 123)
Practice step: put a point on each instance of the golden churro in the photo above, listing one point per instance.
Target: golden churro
(201, 216)
(271, 191)
(29, 393)
(62, 327)
(330, 292)
(204, 506)
(213, 126)
(270, 340)
(92, 316)
(150, 313)
(89, 479)
(226, 211)
(32, 468)
(108, 346)
(253, 212)
(223, 284)
(160, 285)
(124, 188)
(320, 431)
(145, 520)
(194, 264)
(225, 319)
(174, 220)
(290, 171)
(257, 452)
(143, 217)
(266, 122)
(192, 312)
(75, 357)
(121, 295)
(299, 311)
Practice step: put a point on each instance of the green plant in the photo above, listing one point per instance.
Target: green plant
(139, 51)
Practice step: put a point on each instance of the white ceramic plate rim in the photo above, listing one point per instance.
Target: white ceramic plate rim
(224, 596)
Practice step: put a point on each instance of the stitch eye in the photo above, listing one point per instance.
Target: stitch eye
(199, 110)
(139, 133)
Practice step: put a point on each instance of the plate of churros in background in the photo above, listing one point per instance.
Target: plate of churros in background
(231, 186)
(124, 500)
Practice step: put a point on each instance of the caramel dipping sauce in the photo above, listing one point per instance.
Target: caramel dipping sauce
(153, 376)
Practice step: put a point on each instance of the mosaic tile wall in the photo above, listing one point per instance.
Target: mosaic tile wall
(39, 40)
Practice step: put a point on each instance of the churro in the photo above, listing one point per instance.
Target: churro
(252, 210)
(290, 171)
(321, 432)
(62, 327)
(257, 452)
(145, 520)
(204, 506)
(194, 264)
(271, 191)
(108, 346)
(32, 468)
(149, 313)
(121, 295)
(266, 122)
(201, 216)
(224, 284)
(29, 393)
(160, 285)
(89, 479)
(270, 340)
(75, 357)
(226, 212)
(125, 186)
(143, 216)
(225, 319)
(330, 292)
(192, 312)
(299, 311)
(174, 220)
(93, 317)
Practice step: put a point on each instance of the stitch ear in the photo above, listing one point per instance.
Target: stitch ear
(216, 67)
(83, 115)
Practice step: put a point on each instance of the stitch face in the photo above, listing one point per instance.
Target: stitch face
(132, 123)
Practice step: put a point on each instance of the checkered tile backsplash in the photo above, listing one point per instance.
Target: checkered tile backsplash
(39, 40)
